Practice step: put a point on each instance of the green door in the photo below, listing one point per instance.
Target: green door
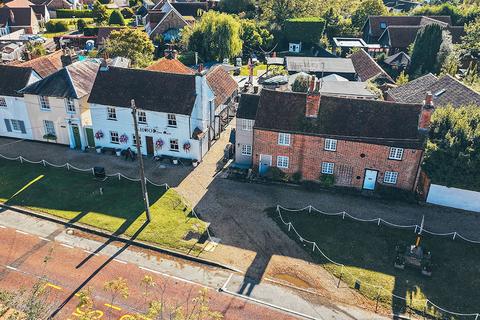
(90, 139)
(76, 136)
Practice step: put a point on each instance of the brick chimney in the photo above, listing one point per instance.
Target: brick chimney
(200, 68)
(426, 114)
(313, 100)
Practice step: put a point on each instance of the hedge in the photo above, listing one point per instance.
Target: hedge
(56, 26)
(69, 13)
(306, 30)
(90, 31)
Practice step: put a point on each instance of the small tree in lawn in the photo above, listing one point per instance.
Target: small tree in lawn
(116, 18)
(132, 44)
(100, 14)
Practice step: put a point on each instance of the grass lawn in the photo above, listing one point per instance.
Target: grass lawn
(244, 71)
(76, 197)
(368, 252)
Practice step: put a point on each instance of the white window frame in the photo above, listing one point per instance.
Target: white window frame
(284, 139)
(174, 142)
(330, 144)
(283, 162)
(142, 117)
(247, 150)
(70, 105)
(3, 102)
(328, 168)
(44, 103)
(49, 130)
(395, 153)
(172, 120)
(111, 113)
(247, 124)
(114, 137)
(15, 124)
(390, 177)
(134, 140)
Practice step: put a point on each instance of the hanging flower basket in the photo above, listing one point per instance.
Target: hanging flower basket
(186, 146)
(99, 135)
(123, 138)
(159, 144)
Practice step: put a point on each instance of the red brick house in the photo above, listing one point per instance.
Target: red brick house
(363, 143)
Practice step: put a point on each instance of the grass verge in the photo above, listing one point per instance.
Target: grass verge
(117, 209)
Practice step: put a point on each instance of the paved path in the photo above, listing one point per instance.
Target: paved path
(79, 261)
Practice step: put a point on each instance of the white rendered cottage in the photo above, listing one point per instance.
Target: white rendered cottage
(173, 111)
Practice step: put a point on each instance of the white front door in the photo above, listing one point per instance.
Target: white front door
(370, 179)
(265, 163)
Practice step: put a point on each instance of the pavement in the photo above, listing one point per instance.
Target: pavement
(31, 248)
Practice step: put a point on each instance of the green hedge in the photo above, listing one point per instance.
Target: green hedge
(69, 13)
(306, 30)
(56, 26)
(90, 31)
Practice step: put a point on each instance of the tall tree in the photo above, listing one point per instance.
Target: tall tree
(133, 44)
(237, 6)
(100, 14)
(425, 50)
(471, 41)
(215, 37)
(368, 8)
(276, 12)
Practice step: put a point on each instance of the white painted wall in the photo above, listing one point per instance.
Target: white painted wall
(455, 198)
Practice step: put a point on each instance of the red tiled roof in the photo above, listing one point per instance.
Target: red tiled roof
(222, 84)
(170, 66)
(366, 67)
(45, 65)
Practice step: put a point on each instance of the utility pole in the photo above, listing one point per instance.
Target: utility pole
(143, 181)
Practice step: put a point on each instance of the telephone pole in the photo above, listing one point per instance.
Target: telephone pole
(143, 180)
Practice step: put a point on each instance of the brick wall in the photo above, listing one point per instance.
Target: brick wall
(306, 154)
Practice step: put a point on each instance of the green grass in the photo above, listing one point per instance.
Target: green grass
(244, 70)
(76, 197)
(368, 252)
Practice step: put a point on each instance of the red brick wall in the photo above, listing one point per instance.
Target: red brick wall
(306, 154)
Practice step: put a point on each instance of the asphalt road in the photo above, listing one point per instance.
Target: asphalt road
(24, 258)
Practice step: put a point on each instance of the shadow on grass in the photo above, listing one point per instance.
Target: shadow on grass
(368, 252)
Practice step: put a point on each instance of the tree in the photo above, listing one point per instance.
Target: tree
(132, 44)
(215, 37)
(236, 6)
(425, 50)
(301, 84)
(100, 14)
(368, 8)
(254, 35)
(116, 18)
(471, 40)
(445, 50)
(276, 12)
(116, 288)
(402, 78)
(306, 30)
(81, 24)
(452, 155)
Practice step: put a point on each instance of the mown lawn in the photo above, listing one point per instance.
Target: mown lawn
(368, 252)
(76, 196)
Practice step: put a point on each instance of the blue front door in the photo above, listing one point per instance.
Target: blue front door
(370, 179)
(265, 163)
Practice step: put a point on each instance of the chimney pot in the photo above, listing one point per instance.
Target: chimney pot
(426, 114)
(429, 99)
(200, 68)
(312, 84)
(313, 104)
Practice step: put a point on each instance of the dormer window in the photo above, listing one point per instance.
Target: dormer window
(383, 25)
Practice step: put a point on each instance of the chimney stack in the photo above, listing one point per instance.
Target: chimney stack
(426, 114)
(313, 99)
(200, 68)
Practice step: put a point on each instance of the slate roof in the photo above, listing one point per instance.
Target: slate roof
(318, 64)
(366, 67)
(370, 121)
(155, 91)
(73, 81)
(221, 83)
(400, 59)
(45, 65)
(21, 16)
(170, 66)
(12, 79)
(374, 22)
(247, 106)
(190, 8)
(347, 89)
(446, 90)
(399, 36)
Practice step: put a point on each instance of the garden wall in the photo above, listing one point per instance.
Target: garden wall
(453, 197)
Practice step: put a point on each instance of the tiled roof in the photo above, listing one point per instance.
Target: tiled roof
(170, 66)
(366, 67)
(400, 59)
(222, 84)
(73, 81)
(377, 31)
(370, 121)
(17, 16)
(12, 79)
(45, 65)
(446, 90)
(155, 91)
(317, 64)
(247, 106)
(399, 36)
(190, 8)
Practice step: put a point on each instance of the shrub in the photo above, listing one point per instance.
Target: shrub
(296, 177)
(69, 13)
(90, 31)
(127, 13)
(327, 180)
(116, 18)
(275, 174)
(105, 1)
(306, 30)
(81, 24)
(56, 26)
(392, 193)
(133, 3)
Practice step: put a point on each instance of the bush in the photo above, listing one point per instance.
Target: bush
(275, 174)
(116, 18)
(327, 180)
(127, 13)
(56, 26)
(81, 24)
(306, 30)
(105, 1)
(187, 58)
(90, 31)
(392, 193)
(133, 3)
(68, 13)
(296, 177)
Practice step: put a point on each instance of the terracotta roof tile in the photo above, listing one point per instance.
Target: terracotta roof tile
(170, 66)
(222, 84)
(366, 67)
(45, 65)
